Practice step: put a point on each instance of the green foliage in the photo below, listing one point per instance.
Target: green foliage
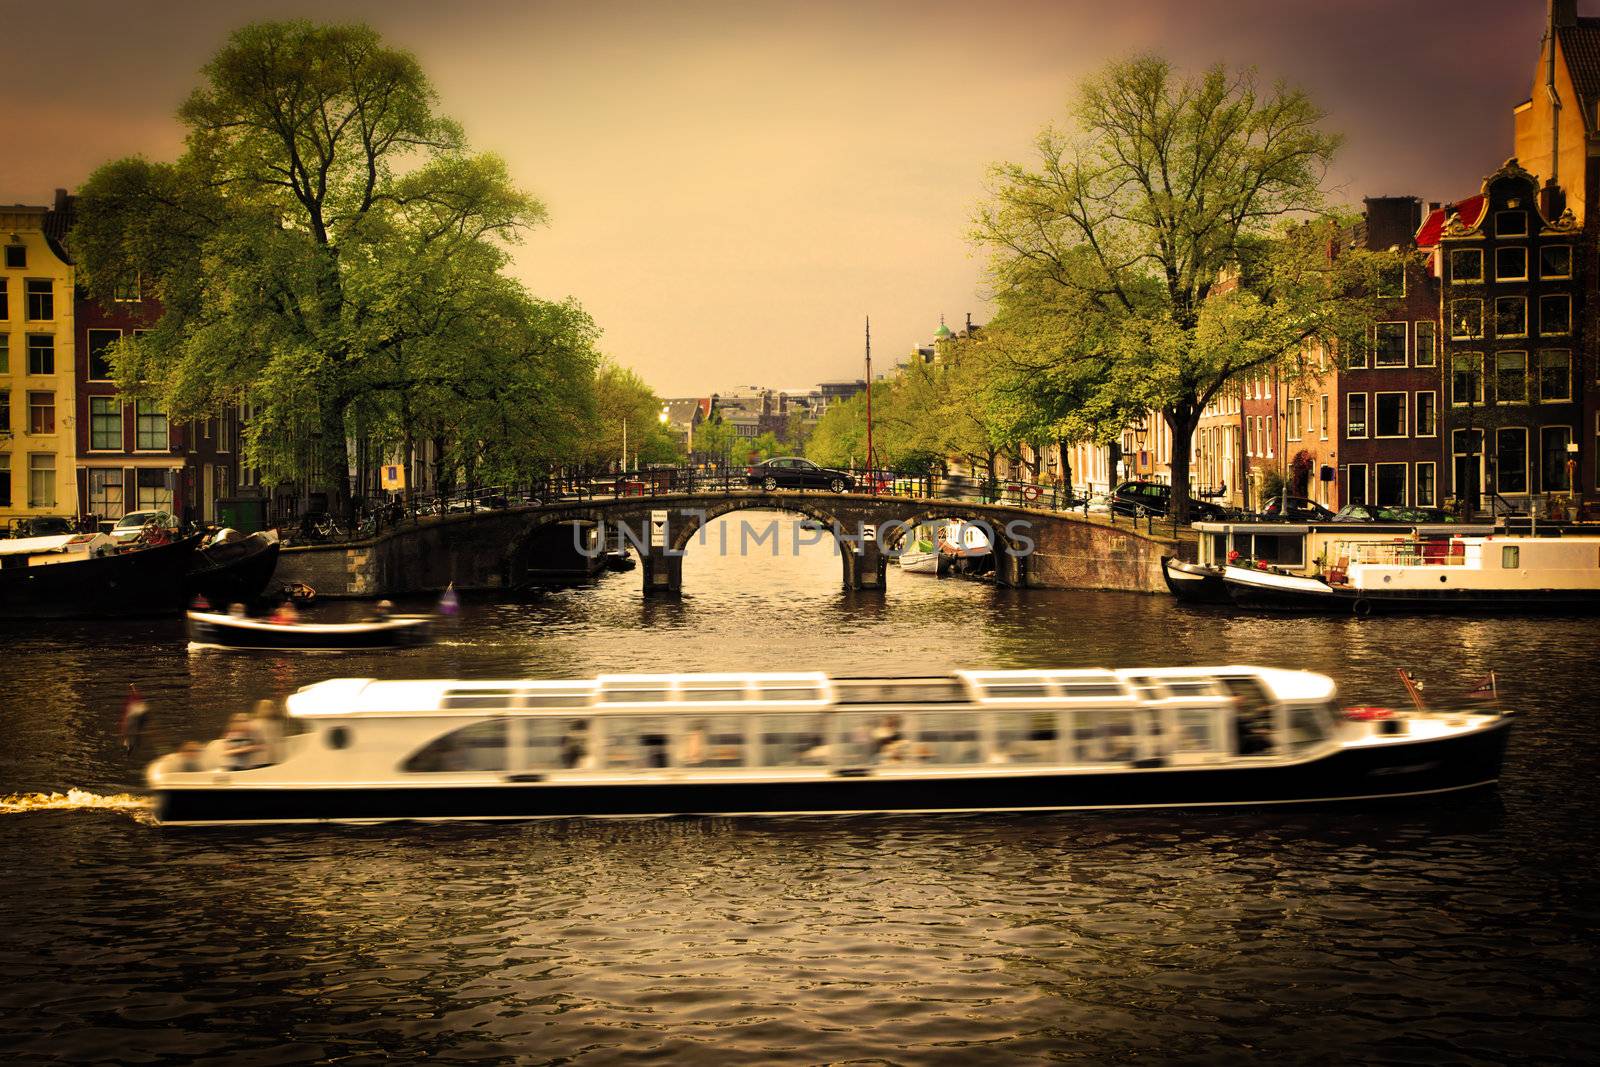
(328, 250)
(1178, 240)
(622, 398)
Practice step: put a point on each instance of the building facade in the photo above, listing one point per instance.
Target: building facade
(37, 393)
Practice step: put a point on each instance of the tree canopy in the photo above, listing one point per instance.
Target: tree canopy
(1178, 238)
(328, 250)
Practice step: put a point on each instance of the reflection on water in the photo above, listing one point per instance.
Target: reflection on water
(1454, 932)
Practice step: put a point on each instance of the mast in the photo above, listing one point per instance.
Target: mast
(870, 459)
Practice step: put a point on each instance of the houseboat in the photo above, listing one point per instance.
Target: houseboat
(808, 744)
(964, 548)
(1291, 548)
(1493, 573)
(91, 576)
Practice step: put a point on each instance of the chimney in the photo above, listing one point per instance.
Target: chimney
(1392, 221)
(1564, 12)
(1552, 201)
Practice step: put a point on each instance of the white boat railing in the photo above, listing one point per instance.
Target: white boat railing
(1406, 553)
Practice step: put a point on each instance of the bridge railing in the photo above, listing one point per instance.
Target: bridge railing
(414, 508)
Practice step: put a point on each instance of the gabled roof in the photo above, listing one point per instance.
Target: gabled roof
(1471, 211)
(1580, 45)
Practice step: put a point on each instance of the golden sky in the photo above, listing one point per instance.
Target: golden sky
(733, 186)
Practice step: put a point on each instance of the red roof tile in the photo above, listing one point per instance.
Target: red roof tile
(1471, 211)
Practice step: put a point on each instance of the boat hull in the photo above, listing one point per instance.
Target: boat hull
(220, 631)
(233, 573)
(919, 562)
(1194, 582)
(1360, 773)
(1310, 595)
(146, 581)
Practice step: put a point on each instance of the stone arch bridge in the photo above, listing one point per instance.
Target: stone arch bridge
(528, 546)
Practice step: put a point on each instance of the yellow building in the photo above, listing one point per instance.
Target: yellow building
(1556, 131)
(37, 395)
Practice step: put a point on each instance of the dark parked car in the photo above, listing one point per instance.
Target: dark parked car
(1387, 513)
(1145, 498)
(1300, 509)
(43, 526)
(792, 472)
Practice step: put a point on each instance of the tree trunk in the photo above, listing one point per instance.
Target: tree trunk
(1181, 421)
(334, 458)
(1066, 468)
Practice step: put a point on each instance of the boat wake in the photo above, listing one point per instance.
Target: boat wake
(141, 808)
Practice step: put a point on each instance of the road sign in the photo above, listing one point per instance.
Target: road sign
(393, 476)
(658, 529)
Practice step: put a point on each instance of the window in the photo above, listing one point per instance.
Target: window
(637, 741)
(1390, 349)
(1427, 493)
(1510, 557)
(1466, 379)
(1427, 344)
(5, 479)
(105, 492)
(1555, 261)
(1555, 375)
(1466, 265)
(1511, 224)
(713, 741)
(1389, 414)
(793, 740)
(150, 427)
(1392, 280)
(1511, 264)
(126, 291)
(1511, 459)
(105, 423)
(1355, 352)
(42, 412)
(1025, 737)
(1553, 441)
(1355, 423)
(41, 299)
(1324, 413)
(1391, 485)
(1466, 448)
(1466, 319)
(1293, 419)
(478, 747)
(1511, 377)
(17, 257)
(99, 342)
(1427, 424)
(42, 480)
(947, 738)
(1555, 314)
(1510, 316)
(41, 353)
(5, 351)
(154, 490)
(1355, 484)
(5, 300)
(5, 411)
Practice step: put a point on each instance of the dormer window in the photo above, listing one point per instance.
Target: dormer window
(1511, 224)
(16, 257)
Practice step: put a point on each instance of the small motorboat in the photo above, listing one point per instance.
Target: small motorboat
(802, 743)
(209, 629)
(920, 556)
(619, 560)
(233, 568)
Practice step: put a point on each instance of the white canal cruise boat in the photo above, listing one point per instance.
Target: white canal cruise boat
(747, 744)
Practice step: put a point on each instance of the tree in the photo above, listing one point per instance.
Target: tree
(1179, 240)
(297, 244)
(621, 398)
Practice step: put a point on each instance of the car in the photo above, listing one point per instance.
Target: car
(1300, 509)
(1391, 513)
(131, 525)
(43, 526)
(792, 472)
(1155, 498)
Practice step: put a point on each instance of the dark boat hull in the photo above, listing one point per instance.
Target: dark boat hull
(1343, 599)
(146, 581)
(1379, 773)
(233, 573)
(213, 632)
(1193, 582)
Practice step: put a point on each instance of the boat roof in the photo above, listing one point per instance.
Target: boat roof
(37, 545)
(778, 691)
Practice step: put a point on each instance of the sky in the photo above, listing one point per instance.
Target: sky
(735, 185)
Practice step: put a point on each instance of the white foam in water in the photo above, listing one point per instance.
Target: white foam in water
(17, 803)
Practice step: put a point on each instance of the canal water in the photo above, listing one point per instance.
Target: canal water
(1462, 931)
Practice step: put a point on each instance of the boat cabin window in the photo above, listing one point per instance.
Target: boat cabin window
(712, 741)
(1024, 737)
(1196, 731)
(1306, 726)
(1090, 687)
(1252, 715)
(1105, 736)
(640, 693)
(478, 747)
(899, 691)
(946, 738)
(637, 742)
(794, 740)
(788, 690)
(552, 697)
(1039, 688)
(1283, 550)
(558, 744)
(481, 698)
(712, 692)
(871, 738)
(1510, 556)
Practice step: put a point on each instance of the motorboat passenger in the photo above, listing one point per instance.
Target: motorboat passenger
(383, 609)
(285, 614)
(236, 610)
(190, 757)
(241, 745)
(268, 726)
(575, 745)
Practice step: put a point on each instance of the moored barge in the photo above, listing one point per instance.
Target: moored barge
(804, 743)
